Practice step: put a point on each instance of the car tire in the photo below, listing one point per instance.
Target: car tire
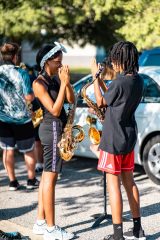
(151, 159)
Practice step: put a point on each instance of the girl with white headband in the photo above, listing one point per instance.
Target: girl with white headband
(51, 92)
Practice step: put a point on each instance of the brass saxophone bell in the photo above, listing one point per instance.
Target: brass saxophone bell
(65, 153)
(71, 136)
(66, 156)
(68, 143)
(94, 135)
(80, 135)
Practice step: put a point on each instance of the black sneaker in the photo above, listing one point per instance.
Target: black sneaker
(14, 185)
(10, 236)
(39, 168)
(111, 237)
(135, 235)
(32, 183)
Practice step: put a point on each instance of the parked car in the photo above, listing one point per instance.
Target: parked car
(150, 57)
(147, 150)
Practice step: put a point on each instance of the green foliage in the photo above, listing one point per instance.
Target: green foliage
(80, 21)
(142, 23)
(80, 70)
(100, 22)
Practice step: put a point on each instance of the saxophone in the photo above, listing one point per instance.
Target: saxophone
(93, 133)
(72, 135)
(37, 116)
(98, 111)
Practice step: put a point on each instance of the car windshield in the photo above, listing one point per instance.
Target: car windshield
(152, 60)
(150, 57)
(79, 85)
(151, 92)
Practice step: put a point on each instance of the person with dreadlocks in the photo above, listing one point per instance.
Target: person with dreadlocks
(119, 135)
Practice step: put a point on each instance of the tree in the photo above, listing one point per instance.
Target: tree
(74, 20)
(100, 22)
(142, 23)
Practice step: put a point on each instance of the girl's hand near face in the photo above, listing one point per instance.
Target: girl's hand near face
(64, 75)
(67, 89)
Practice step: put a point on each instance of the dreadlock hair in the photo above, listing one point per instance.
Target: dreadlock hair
(125, 54)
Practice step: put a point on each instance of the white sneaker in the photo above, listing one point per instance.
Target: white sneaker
(39, 228)
(57, 234)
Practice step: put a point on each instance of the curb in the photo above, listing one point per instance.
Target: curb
(8, 226)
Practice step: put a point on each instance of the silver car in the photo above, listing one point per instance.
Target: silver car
(147, 150)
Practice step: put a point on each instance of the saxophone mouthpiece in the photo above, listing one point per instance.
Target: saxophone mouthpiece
(102, 66)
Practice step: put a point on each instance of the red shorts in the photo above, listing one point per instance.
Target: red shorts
(114, 164)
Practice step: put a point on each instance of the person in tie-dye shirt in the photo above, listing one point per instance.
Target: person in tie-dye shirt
(16, 128)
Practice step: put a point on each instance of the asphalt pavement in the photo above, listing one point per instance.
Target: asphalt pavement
(79, 198)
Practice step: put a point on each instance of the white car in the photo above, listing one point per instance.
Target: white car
(147, 150)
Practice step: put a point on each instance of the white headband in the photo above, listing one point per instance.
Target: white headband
(58, 47)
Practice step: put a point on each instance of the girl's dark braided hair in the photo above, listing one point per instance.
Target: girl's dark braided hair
(125, 54)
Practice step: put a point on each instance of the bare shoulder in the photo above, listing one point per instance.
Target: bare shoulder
(39, 87)
(38, 82)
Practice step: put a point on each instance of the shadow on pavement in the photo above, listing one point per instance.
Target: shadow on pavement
(76, 173)
(10, 213)
(91, 221)
(85, 173)
(146, 211)
(154, 236)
